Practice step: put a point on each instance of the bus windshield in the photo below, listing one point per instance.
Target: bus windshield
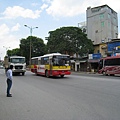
(17, 60)
(61, 60)
(112, 62)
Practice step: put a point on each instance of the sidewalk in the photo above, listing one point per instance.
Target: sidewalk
(83, 72)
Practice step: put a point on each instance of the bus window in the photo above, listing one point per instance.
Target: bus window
(61, 61)
(110, 62)
(39, 62)
(55, 62)
(44, 60)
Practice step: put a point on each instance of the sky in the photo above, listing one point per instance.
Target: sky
(47, 15)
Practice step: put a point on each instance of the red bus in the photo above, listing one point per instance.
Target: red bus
(109, 65)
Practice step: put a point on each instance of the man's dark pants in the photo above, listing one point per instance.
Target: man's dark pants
(9, 84)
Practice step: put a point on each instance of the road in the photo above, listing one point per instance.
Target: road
(75, 97)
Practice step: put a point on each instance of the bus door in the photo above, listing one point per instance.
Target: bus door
(51, 64)
(101, 64)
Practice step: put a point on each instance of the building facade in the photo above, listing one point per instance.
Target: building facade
(102, 29)
(102, 24)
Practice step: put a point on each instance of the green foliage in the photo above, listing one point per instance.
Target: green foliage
(15, 51)
(66, 40)
(37, 47)
(69, 40)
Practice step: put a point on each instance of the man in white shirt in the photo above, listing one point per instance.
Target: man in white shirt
(9, 80)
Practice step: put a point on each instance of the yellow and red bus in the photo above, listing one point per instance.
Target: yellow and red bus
(54, 64)
(109, 65)
(34, 64)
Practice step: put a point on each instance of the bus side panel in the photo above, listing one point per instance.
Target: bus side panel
(54, 71)
(101, 71)
(34, 68)
(61, 70)
(41, 70)
(113, 70)
(110, 70)
(109, 65)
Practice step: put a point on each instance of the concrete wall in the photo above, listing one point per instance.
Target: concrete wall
(102, 24)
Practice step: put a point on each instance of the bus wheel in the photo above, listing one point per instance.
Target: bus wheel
(112, 75)
(104, 73)
(23, 73)
(62, 76)
(36, 74)
(47, 74)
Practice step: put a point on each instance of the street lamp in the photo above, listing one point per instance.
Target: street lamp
(6, 49)
(31, 29)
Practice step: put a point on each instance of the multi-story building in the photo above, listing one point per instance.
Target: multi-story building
(102, 29)
(102, 24)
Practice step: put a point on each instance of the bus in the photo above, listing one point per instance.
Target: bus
(54, 64)
(109, 65)
(34, 64)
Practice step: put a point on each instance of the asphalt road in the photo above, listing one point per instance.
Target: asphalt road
(75, 97)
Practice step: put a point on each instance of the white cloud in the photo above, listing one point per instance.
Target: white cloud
(16, 27)
(44, 6)
(68, 8)
(65, 8)
(115, 5)
(17, 11)
(4, 30)
(7, 40)
(48, 1)
(35, 4)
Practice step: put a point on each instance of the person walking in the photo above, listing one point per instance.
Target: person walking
(9, 80)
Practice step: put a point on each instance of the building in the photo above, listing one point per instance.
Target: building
(102, 29)
(102, 24)
(113, 47)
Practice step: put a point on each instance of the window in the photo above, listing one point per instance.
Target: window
(109, 24)
(17, 60)
(34, 61)
(111, 62)
(45, 60)
(102, 24)
(109, 16)
(39, 62)
(95, 9)
(115, 28)
(61, 60)
(114, 20)
(101, 16)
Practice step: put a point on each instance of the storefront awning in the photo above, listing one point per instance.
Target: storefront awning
(83, 61)
(93, 60)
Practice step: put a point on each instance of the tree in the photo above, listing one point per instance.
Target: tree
(13, 52)
(69, 40)
(37, 47)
